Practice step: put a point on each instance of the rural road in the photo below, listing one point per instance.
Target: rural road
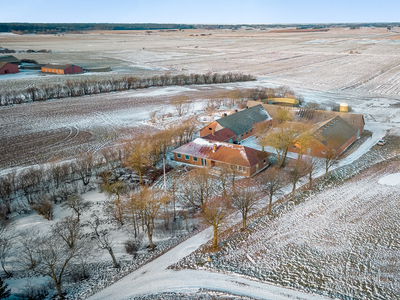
(154, 278)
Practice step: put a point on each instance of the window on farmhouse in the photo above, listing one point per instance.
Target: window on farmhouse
(178, 155)
(194, 158)
(187, 157)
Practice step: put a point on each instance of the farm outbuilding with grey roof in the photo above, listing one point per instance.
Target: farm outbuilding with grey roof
(10, 59)
(241, 124)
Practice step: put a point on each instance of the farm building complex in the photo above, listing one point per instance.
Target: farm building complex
(236, 127)
(62, 69)
(238, 158)
(333, 130)
(219, 142)
(7, 68)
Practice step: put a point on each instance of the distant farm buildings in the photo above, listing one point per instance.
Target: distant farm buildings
(62, 69)
(7, 68)
(240, 159)
(236, 127)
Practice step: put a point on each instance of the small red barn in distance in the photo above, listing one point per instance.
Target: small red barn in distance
(7, 68)
(62, 69)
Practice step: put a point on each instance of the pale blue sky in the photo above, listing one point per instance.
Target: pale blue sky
(206, 11)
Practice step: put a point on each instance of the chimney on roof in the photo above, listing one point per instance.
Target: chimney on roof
(236, 110)
(214, 148)
(224, 114)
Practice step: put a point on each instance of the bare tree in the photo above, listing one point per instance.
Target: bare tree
(56, 172)
(179, 103)
(310, 164)
(149, 203)
(69, 230)
(77, 204)
(27, 258)
(296, 170)
(109, 155)
(245, 198)
(50, 255)
(6, 242)
(102, 237)
(214, 213)
(197, 187)
(84, 167)
(281, 139)
(330, 159)
(283, 115)
(271, 181)
(138, 157)
(132, 212)
(116, 190)
(153, 116)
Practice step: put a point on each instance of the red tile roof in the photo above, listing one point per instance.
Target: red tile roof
(221, 135)
(225, 152)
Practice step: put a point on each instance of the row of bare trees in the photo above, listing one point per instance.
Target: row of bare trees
(93, 86)
(53, 182)
(44, 184)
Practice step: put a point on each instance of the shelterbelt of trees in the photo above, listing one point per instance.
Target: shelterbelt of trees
(93, 86)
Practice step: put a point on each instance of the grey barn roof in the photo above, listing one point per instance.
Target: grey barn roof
(244, 120)
(10, 59)
(335, 132)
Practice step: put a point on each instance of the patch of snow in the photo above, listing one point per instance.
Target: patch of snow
(392, 179)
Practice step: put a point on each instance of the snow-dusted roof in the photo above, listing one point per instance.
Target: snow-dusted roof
(225, 152)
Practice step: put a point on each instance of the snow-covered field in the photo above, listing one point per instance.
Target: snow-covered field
(342, 242)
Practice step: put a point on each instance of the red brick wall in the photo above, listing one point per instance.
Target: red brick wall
(9, 69)
(249, 171)
(190, 160)
(206, 130)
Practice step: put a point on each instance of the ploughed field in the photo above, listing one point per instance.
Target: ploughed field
(37, 132)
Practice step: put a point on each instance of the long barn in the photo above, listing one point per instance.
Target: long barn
(62, 69)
